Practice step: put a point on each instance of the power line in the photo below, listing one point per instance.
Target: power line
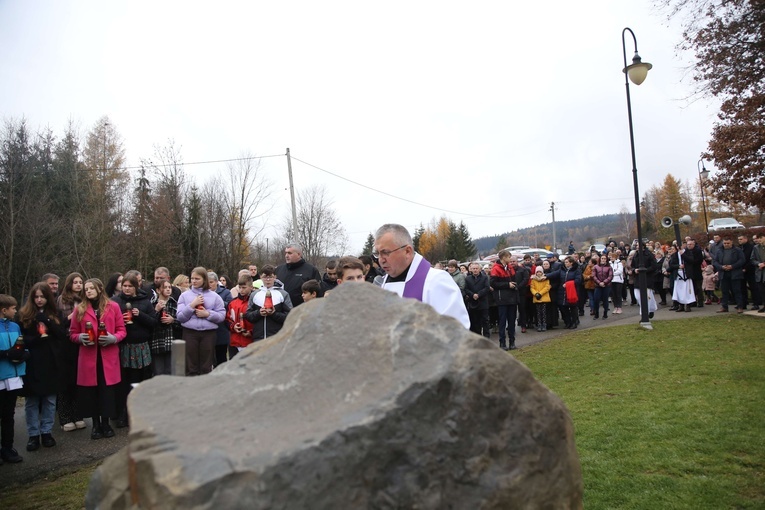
(493, 215)
(248, 158)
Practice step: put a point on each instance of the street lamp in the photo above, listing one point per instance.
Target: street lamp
(636, 72)
(703, 174)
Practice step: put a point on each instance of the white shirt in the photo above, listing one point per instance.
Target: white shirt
(440, 291)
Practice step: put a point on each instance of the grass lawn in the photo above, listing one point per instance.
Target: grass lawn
(669, 418)
(65, 492)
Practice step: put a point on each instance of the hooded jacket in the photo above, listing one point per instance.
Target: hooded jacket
(265, 326)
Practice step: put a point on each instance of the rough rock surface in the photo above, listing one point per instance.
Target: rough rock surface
(363, 400)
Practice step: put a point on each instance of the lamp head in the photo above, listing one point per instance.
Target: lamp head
(704, 172)
(638, 70)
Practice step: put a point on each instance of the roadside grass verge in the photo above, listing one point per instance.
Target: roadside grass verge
(669, 418)
(64, 491)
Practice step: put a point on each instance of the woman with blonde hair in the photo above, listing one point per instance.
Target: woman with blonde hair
(98, 363)
(200, 310)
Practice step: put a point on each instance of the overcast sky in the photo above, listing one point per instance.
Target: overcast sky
(483, 111)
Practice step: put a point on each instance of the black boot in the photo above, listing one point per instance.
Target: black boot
(97, 432)
(502, 345)
(122, 420)
(512, 345)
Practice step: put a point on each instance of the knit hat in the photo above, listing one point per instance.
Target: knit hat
(539, 270)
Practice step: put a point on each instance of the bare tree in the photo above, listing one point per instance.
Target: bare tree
(319, 229)
(248, 190)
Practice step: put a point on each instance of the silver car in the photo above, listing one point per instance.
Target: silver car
(718, 224)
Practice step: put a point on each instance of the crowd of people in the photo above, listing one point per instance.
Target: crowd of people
(77, 352)
(540, 294)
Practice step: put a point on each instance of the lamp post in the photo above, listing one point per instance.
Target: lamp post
(636, 72)
(703, 174)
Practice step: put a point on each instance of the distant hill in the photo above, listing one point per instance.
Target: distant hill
(583, 231)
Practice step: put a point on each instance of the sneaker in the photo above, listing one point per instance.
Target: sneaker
(708, 302)
(9, 454)
(722, 310)
(48, 441)
(68, 427)
(761, 310)
(80, 424)
(33, 443)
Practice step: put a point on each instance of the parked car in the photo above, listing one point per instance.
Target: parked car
(718, 224)
(543, 254)
(599, 247)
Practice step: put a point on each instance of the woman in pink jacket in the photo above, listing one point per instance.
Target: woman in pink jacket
(98, 364)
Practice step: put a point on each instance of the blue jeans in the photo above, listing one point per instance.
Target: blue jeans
(41, 412)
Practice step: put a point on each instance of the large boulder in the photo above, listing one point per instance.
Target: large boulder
(363, 400)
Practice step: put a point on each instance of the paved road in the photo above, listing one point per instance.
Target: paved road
(75, 449)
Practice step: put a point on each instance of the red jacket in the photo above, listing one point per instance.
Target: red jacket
(236, 310)
(110, 355)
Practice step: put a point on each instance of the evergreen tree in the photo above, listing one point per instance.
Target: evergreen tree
(466, 250)
(417, 236)
(369, 247)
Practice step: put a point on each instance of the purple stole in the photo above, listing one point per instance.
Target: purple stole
(415, 286)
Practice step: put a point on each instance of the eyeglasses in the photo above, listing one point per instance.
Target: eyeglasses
(386, 253)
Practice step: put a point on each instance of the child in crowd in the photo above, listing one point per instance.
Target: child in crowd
(241, 329)
(350, 269)
(269, 306)
(43, 336)
(708, 284)
(310, 290)
(12, 368)
(540, 292)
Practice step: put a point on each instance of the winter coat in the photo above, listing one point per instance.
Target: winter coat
(618, 271)
(694, 261)
(110, 355)
(235, 315)
(43, 375)
(758, 257)
(459, 279)
(735, 257)
(265, 326)
(602, 273)
(709, 279)
(69, 351)
(501, 278)
(326, 284)
(589, 283)
(223, 336)
(561, 276)
(477, 285)
(540, 286)
(142, 328)
(293, 276)
(212, 303)
(9, 333)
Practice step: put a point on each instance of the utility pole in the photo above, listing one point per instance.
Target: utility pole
(292, 196)
(555, 243)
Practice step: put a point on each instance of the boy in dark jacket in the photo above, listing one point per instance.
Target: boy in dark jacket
(268, 307)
